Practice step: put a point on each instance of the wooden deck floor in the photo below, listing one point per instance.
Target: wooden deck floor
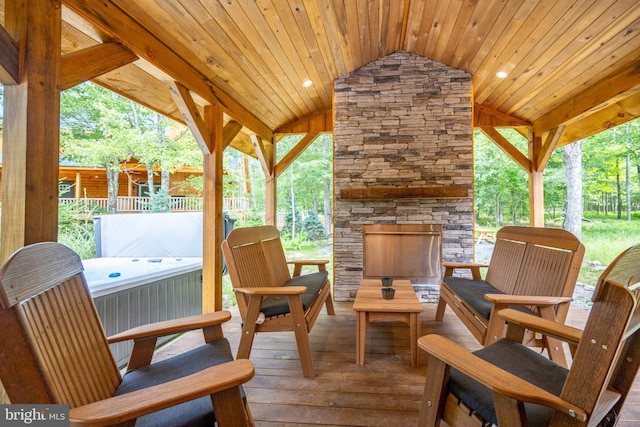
(386, 391)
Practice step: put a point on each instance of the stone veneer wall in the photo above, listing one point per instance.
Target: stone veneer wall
(401, 121)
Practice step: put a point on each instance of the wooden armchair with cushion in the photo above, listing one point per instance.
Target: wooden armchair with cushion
(511, 385)
(532, 269)
(53, 350)
(269, 299)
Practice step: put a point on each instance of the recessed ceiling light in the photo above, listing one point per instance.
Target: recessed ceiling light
(502, 74)
(307, 83)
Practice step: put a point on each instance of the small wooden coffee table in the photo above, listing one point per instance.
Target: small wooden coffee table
(371, 307)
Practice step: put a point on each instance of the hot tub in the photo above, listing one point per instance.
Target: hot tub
(134, 291)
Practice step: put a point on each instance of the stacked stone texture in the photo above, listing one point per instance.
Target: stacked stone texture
(401, 121)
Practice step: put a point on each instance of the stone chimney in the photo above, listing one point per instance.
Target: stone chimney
(403, 154)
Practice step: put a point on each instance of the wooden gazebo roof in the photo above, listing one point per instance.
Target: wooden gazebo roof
(233, 71)
(570, 63)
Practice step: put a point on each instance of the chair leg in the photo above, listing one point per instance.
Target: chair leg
(229, 408)
(442, 306)
(302, 336)
(329, 305)
(555, 347)
(435, 393)
(510, 412)
(249, 327)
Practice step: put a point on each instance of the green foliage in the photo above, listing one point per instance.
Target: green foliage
(159, 201)
(292, 223)
(604, 238)
(501, 186)
(313, 227)
(101, 128)
(76, 233)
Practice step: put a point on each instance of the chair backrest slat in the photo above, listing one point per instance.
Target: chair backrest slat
(544, 271)
(608, 356)
(505, 264)
(61, 326)
(255, 258)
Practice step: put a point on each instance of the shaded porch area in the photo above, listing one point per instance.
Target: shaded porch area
(386, 391)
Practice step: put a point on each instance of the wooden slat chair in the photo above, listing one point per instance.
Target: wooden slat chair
(532, 268)
(509, 384)
(53, 350)
(264, 288)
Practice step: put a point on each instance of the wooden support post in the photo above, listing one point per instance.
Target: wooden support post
(536, 182)
(31, 127)
(212, 221)
(266, 154)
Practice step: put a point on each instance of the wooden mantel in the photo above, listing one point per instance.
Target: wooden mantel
(387, 193)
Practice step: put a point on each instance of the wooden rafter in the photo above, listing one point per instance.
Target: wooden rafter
(601, 95)
(507, 147)
(9, 68)
(551, 142)
(606, 118)
(231, 129)
(115, 22)
(295, 152)
(264, 156)
(86, 64)
(321, 121)
(484, 116)
(192, 116)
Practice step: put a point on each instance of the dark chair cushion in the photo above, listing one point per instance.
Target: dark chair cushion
(194, 413)
(275, 306)
(473, 292)
(520, 361)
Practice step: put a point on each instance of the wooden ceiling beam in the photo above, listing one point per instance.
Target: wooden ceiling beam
(601, 95)
(295, 152)
(509, 149)
(321, 121)
(9, 61)
(614, 115)
(86, 64)
(264, 156)
(231, 129)
(192, 117)
(484, 116)
(551, 142)
(112, 20)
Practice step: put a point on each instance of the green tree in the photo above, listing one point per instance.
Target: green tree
(101, 128)
(94, 133)
(501, 186)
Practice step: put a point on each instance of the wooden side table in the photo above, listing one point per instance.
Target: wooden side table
(371, 307)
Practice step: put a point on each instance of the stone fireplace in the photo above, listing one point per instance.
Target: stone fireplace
(403, 154)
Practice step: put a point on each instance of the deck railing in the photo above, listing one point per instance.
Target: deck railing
(126, 204)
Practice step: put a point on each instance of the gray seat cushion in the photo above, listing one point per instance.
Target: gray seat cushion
(275, 306)
(520, 361)
(473, 292)
(194, 413)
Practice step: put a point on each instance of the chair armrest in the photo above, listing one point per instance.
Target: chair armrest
(526, 299)
(129, 406)
(309, 261)
(463, 265)
(170, 327)
(273, 291)
(299, 263)
(492, 377)
(450, 267)
(547, 327)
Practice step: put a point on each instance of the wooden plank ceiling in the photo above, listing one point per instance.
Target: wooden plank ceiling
(570, 64)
